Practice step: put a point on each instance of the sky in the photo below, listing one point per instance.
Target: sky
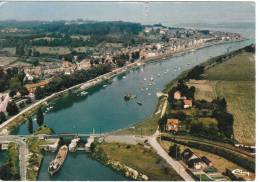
(168, 13)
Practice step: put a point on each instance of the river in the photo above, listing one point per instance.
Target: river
(105, 109)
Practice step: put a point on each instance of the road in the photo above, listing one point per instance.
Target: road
(23, 152)
(160, 151)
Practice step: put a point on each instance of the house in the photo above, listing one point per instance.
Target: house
(206, 161)
(195, 163)
(186, 154)
(177, 95)
(172, 125)
(32, 87)
(187, 103)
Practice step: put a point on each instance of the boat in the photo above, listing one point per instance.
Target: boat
(129, 96)
(73, 144)
(104, 86)
(139, 103)
(124, 76)
(145, 79)
(159, 74)
(152, 79)
(149, 93)
(150, 84)
(83, 93)
(90, 140)
(56, 164)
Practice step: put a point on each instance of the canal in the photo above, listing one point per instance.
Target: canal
(104, 109)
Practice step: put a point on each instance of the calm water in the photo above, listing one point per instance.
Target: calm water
(86, 169)
(3, 157)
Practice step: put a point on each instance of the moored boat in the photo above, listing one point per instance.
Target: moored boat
(56, 164)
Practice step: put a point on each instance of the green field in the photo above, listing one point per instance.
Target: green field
(141, 159)
(235, 80)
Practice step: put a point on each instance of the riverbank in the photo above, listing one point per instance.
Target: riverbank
(91, 83)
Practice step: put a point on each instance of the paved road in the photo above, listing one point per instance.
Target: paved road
(23, 152)
(175, 164)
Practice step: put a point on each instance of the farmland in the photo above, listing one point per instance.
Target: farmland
(235, 81)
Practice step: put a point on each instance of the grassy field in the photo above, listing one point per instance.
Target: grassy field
(7, 60)
(234, 80)
(141, 159)
(13, 158)
(146, 127)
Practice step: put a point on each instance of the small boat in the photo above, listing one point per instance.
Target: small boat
(150, 84)
(124, 76)
(83, 93)
(104, 86)
(139, 103)
(152, 79)
(56, 164)
(159, 74)
(145, 79)
(149, 93)
(146, 88)
(129, 96)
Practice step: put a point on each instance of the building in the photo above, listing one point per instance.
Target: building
(206, 161)
(32, 87)
(195, 163)
(191, 159)
(187, 103)
(172, 125)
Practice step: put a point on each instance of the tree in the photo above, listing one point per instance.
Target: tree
(2, 117)
(39, 93)
(12, 109)
(23, 91)
(40, 117)
(174, 151)
(14, 83)
(30, 125)
(19, 50)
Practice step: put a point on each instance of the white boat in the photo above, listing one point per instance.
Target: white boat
(83, 93)
(56, 164)
(145, 79)
(73, 144)
(151, 78)
(146, 88)
(104, 86)
(90, 140)
(149, 93)
(159, 74)
(124, 76)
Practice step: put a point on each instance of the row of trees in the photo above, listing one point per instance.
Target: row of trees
(66, 81)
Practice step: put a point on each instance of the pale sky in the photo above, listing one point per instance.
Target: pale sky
(168, 13)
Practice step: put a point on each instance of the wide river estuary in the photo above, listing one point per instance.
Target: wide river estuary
(104, 109)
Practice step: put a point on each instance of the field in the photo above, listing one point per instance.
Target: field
(141, 159)
(234, 80)
(50, 50)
